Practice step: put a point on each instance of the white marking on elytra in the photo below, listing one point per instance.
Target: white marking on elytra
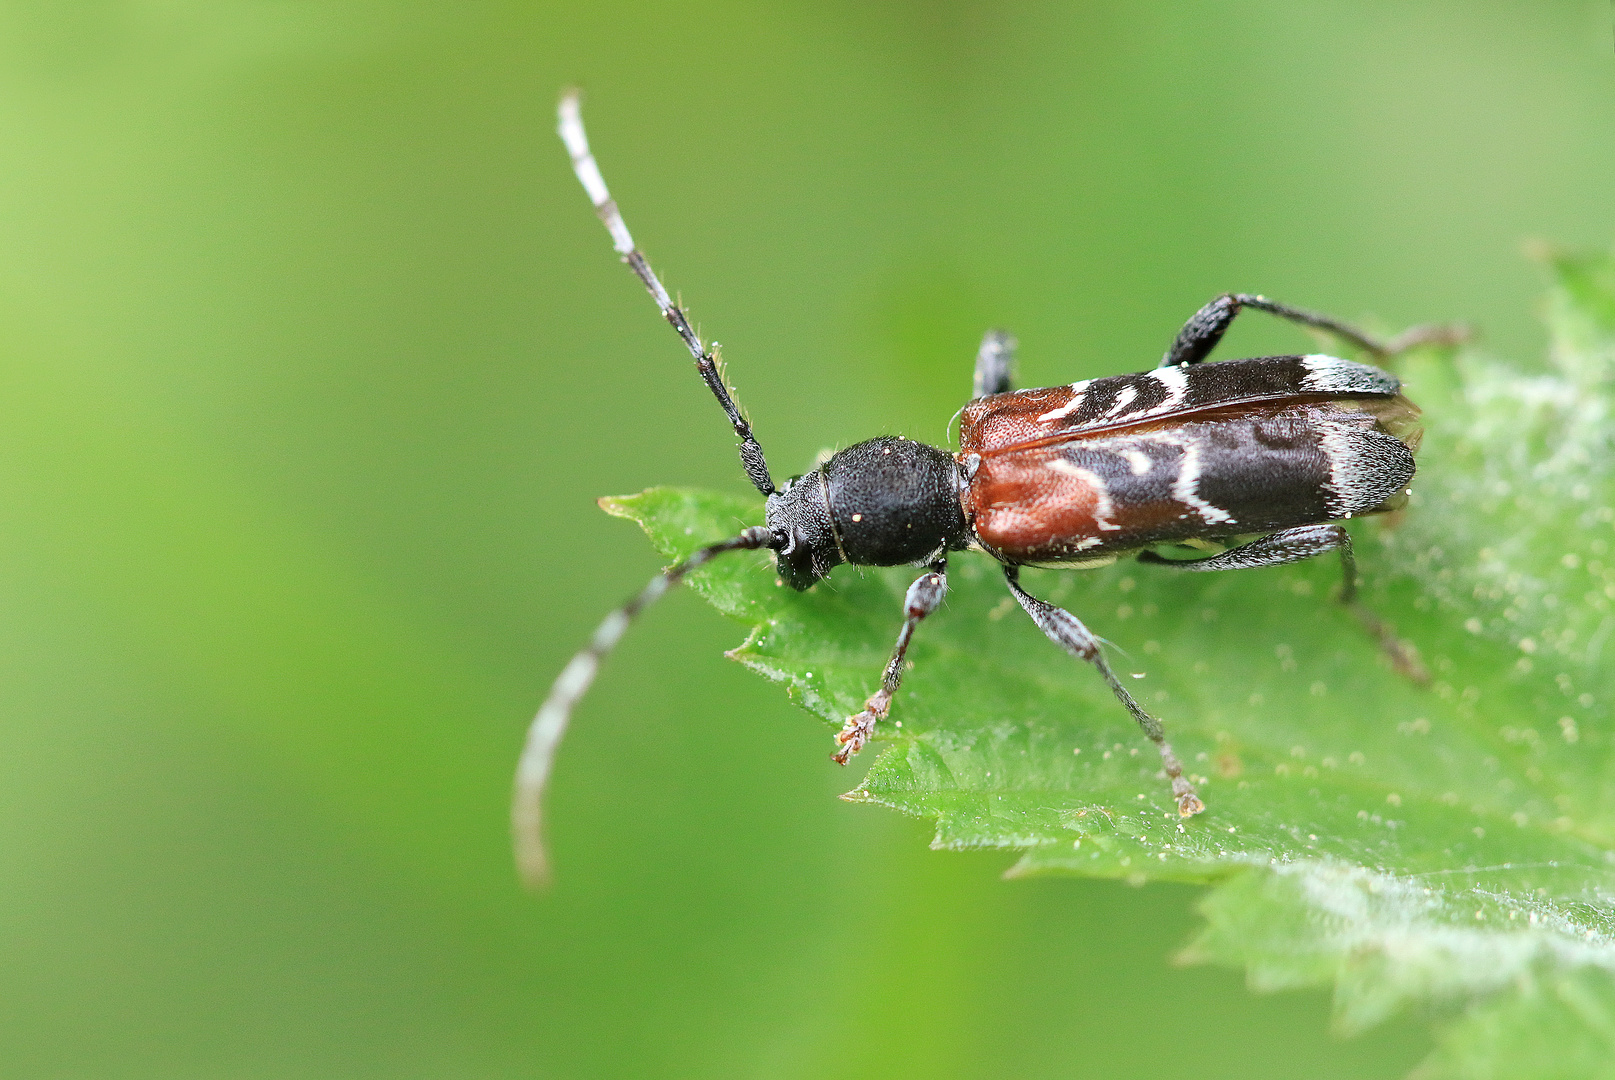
(1330, 374)
(1104, 507)
(1353, 472)
(1337, 450)
(1137, 460)
(1186, 488)
(1176, 381)
(1078, 393)
(1124, 398)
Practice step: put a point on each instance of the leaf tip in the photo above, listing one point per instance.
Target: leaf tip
(1021, 868)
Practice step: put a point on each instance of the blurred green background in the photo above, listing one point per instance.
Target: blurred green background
(313, 360)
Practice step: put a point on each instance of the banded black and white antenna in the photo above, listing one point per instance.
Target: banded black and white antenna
(577, 145)
(545, 732)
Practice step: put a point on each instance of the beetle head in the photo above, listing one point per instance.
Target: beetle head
(884, 502)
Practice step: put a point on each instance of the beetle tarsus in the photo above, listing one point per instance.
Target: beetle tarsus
(1189, 803)
(1439, 335)
(1403, 654)
(1188, 799)
(924, 596)
(857, 731)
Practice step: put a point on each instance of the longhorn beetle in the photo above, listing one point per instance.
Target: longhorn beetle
(1256, 460)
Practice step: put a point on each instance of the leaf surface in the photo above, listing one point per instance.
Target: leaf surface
(1448, 847)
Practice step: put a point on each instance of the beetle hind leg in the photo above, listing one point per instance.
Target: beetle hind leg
(1278, 549)
(1067, 631)
(924, 597)
(1304, 542)
(1206, 327)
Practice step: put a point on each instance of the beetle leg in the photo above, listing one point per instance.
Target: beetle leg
(995, 365)
(1278, 549)
(1207, 326)
(1293, 545)
(1067, 631)
(924, 597)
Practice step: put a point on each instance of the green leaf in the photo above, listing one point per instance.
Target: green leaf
(1449, 848)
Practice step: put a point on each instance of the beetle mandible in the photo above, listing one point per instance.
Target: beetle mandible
(1255, 460)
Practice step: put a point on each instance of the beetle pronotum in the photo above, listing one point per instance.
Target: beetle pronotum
(1257, 460)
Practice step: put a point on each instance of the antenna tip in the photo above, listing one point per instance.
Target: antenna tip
(532, 861)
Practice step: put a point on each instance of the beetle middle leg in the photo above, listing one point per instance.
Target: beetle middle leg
(1067, 631)
(1294, 545)
(924, 596)
(995, 365)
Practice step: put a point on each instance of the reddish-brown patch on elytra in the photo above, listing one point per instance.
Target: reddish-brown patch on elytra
(1016, 503)
(1023, 508)
(999, 422)
(1035, 505)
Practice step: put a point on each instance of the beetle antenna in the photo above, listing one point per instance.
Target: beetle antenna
(577, 145)
(544, 735)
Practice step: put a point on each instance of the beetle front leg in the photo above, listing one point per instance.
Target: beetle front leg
(1067, 631)
(1294, 545)
(924, 597)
